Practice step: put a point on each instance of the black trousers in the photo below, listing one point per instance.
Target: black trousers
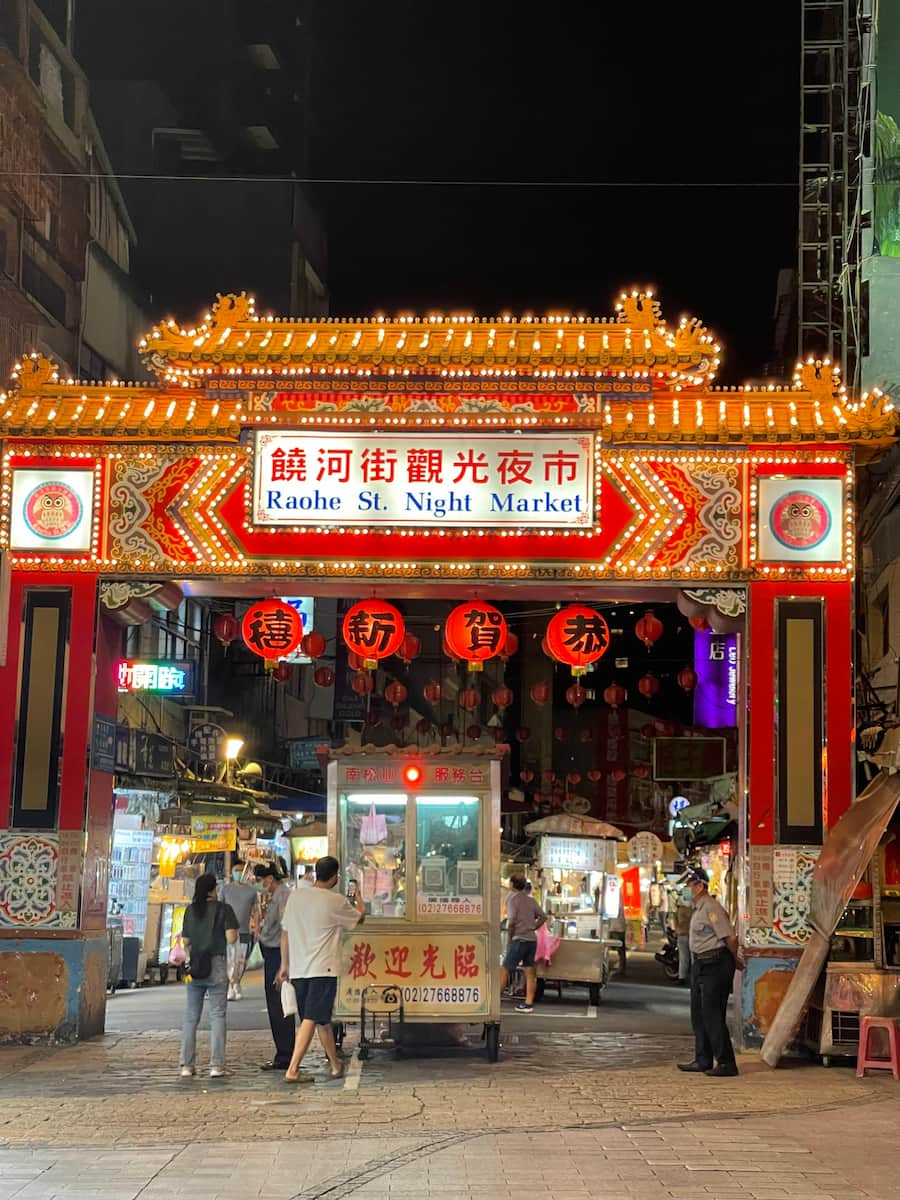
(711, 981)
(282, 1027)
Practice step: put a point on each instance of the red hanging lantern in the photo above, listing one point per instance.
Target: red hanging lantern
(648, 685)
(272, 629)
(560, 734)
(447, 652)
(577, 636)
(545, 646)
(595, 776)
(573, 777)
(541, 692)
(649, 628)
(615, 695)
(475, 631)
(699, 623)
(432, 692)
(666, 728)
(499, 735)
(282, 672)
(354, 661)
(576, 695)
(618, 775)
(312, 645)
(510, 646)
(526, 776)
(548, 776)
(446, 730)
(502, 697)
(687, 679)
(410, 647)
(362, 683)
(473, 732)
(373, 629)
(226, 629)
(523, 734)
(648, 730)
(323, 677)
(395, 694)
(423, 726)
(642, 771)
(469, 699)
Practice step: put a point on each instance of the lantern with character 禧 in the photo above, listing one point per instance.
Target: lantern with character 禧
(272, 629)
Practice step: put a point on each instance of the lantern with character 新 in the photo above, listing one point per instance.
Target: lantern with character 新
(373, 629)
(475, 631)
(578, 636)
(272, 629)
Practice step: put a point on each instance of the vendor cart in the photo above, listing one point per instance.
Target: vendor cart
(421, 835)
(579, 889)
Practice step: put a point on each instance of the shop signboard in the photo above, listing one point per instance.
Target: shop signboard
(159, 677)
(645, 848)
(305, 607)
(681, 759)
(51, 510)
(541, 481)
(103, 757)
(302, 754)
(213, 835)
(207, 741)
(716, 665)
(435, 974)
(154, 755)
(575, 854)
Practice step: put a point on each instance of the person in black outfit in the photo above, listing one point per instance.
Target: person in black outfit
(270, 944)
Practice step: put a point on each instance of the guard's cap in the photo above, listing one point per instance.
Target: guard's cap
(697, 875)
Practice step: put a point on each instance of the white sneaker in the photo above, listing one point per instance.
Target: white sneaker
(238, 994)
(216, 1072)
(230, 995)
(187, 1072)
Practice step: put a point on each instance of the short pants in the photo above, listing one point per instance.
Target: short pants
(520, 952)
(315, 998)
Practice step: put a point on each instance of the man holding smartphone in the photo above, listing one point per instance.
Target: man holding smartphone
(311, 928)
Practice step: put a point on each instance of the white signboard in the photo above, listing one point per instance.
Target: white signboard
(801, 519)
(453, 479)
(576, 854)
(645, 848)
(51, 510)
(306, 607)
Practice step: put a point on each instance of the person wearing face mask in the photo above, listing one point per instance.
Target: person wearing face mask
(282, 1026)
(314, 918)
(243, 899)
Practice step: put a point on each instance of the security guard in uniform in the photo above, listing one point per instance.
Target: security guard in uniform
(714, 956)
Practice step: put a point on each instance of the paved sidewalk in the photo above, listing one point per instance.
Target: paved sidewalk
(567, 1116)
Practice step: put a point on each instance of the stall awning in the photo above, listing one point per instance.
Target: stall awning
(569, 825)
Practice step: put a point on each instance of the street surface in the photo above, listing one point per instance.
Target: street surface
(582, 1106)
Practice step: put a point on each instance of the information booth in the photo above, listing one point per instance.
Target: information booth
(420, 834)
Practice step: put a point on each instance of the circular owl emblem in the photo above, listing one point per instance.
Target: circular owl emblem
(53, 510)
(801, 520)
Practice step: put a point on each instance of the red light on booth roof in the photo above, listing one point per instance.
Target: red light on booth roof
(412, 775)
(725, 848)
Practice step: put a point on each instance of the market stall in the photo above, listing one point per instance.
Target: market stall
(421, 836)
(579, 888)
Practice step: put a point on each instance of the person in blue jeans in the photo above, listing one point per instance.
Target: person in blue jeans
(209, 927)
(524, 917)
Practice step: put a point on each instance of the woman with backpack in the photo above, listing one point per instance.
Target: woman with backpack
(209, 927)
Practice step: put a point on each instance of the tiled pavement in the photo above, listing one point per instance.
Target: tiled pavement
(568, 1116)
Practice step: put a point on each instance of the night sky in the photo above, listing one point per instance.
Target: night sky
(645, 94)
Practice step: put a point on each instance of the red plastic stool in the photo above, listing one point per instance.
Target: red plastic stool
(892, 1062)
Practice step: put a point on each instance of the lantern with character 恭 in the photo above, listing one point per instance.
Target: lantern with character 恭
(578, 636)
(373, 629)
(272, 629)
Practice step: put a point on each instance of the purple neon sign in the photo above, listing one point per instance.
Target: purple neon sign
(716, 665)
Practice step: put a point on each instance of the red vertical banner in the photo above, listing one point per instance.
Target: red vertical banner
(631, 892)
(839, 739)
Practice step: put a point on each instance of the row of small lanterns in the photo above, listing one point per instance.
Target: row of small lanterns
(577, 636)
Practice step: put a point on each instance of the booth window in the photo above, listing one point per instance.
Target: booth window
(448, 854)
(373, 849)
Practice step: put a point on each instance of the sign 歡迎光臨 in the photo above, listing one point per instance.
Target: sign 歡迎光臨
(539, 481)
(167, 678)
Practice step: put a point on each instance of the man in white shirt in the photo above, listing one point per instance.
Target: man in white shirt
(311, 928)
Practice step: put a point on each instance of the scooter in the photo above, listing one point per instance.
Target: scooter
(668, 956)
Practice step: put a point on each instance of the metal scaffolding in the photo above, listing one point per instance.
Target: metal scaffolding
(834, 131)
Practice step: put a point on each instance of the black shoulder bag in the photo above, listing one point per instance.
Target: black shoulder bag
(201, 960)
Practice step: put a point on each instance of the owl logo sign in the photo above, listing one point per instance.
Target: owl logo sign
(801, 520)
(53, 510)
